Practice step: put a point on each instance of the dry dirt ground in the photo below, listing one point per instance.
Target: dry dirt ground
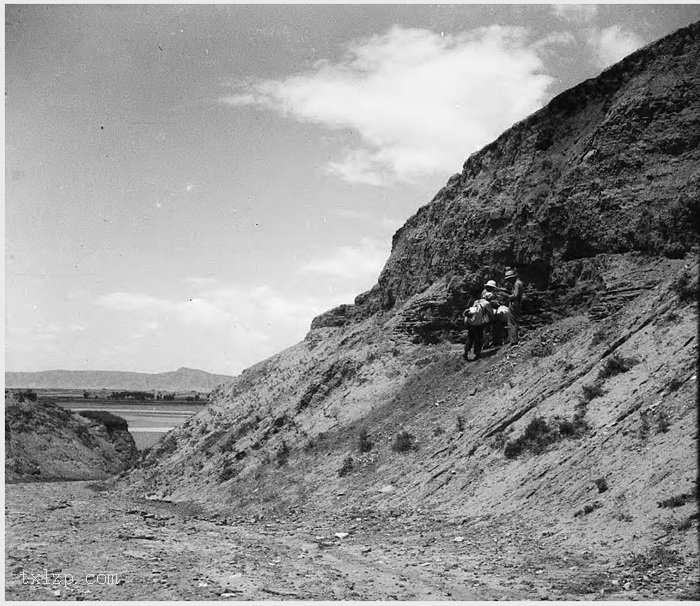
(59, 533)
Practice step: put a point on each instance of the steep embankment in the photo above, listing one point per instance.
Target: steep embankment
(586, 431)
(46, 442)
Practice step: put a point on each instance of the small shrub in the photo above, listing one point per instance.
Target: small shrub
(346, 468)
(438, 431)
(621, 516)
(591, 392)
(685, 524)
(403, 442)
(685, 287)
(109, 420)
(168, 445)
(282, 454)
(601, 484)
(677, 500)
(656, 557)
(662, 422)
(364, 443)
(644, 425)
(590, 508)
(227, 472)
(600, 335)
(541, 349)
(460, 423)
(616, 365)
(674, 384)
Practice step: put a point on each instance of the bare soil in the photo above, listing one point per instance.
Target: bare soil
(59, 533)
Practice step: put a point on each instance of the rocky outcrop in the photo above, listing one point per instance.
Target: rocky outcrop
(582, 431)
(46, 442)
(609, 166)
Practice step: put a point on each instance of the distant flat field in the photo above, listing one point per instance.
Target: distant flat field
(147, 421)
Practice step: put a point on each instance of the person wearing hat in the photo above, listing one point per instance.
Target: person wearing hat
(515, 297)
(490, 294)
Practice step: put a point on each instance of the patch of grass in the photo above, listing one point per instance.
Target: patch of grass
(363, 441)
(616, 365)
(403, 442)
(347, 467)
(98, 486)
(109, 420)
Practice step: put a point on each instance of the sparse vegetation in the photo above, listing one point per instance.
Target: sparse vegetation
(541, 349)
(539, 434)
(460, 423)
(655, 557)
(282, 454)
(403, 442)
(600, 335)
(591, 392)
(601, 484)
(662, 422)
(675, 384)
(590, 508)
(678, 500)
(108, 419)
(227, 471)
(616, 365)
(438, 431)
(347, 467)
(364, 443)
(685, 287)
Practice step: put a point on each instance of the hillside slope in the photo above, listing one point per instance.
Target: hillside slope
(46, 442)
(182, 379)
(581, 439)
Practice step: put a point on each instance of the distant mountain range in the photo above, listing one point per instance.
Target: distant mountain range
(182, 379)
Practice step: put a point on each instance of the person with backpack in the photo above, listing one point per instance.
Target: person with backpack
(476, 318)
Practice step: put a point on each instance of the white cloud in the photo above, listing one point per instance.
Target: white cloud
(221, 328)
(579, 13)
(612, 44)
(351, 263)
(420, 102)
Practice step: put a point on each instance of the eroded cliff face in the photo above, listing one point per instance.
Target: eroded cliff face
(46, 442)
(610, 166)
(594, 199)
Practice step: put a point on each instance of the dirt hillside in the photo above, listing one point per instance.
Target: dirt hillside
(574, 450)
(46, 442)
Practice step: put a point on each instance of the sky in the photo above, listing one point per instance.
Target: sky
(189, 185)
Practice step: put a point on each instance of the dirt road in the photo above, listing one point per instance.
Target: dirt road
(74, 541)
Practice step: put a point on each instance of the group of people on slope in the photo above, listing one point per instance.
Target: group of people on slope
(499, 309)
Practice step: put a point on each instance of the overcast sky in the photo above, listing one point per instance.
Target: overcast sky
(191, 185)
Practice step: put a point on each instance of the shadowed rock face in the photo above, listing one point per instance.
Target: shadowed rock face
(46, 442)
(610, 166)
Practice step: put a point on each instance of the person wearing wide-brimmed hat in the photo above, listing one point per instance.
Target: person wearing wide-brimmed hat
(515, 297)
